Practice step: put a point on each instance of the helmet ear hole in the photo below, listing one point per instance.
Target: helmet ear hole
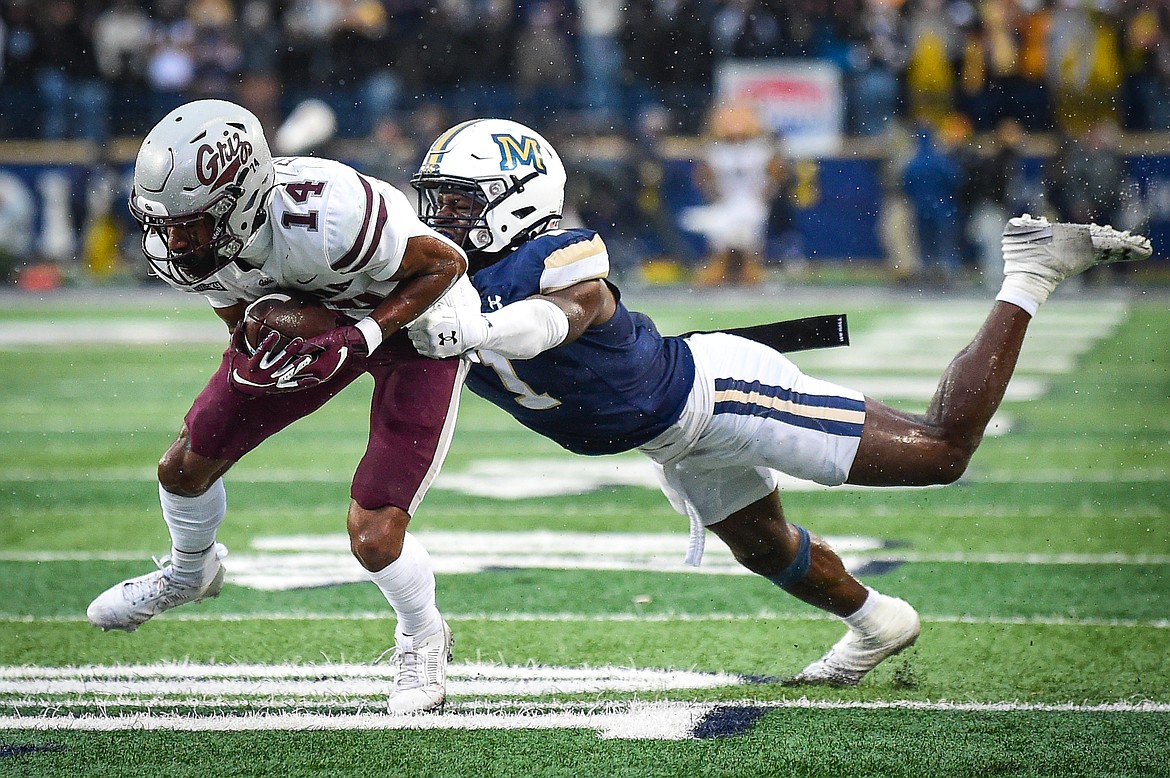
(522, 213)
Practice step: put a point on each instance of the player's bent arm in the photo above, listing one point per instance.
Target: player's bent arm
(520, 330)
(584, 304)
(232, 315)
(534, 325)
(429, 268)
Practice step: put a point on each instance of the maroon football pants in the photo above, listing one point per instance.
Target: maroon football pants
(412, 420)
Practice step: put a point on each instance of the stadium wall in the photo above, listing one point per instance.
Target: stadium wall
(54, 192)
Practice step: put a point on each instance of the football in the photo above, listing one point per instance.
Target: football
(290, 316)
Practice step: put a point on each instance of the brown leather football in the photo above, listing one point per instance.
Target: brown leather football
(290, 316)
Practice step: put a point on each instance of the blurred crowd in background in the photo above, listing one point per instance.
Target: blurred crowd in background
(952, 91)
(93, 68)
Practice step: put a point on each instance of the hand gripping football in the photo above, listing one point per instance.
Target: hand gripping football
(290, 317)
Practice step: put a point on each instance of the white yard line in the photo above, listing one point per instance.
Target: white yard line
(338, 681)
(629, 721)
(613, 618)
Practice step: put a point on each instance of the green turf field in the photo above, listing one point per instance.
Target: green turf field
(583, 646)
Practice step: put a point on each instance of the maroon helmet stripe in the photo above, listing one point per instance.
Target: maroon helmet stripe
(351, 255)
(376, 239)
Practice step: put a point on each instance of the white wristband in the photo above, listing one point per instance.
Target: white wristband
(525, 328)
(372, 332)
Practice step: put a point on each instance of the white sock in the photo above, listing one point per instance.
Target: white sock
(1022, 292)
(193, 522)
(859, 618)
(408, 583)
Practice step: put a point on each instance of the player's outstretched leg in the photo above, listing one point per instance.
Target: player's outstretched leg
(883, 627)
(133, 602)
(421, 683)
(805, 566)
(1039, 254)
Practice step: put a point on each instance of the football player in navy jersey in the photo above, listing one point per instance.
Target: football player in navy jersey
(554, 346)
(223, 219)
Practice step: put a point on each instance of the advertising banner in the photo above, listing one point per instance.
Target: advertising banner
(802, 100)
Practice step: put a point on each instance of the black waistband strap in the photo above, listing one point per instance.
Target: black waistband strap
(804, 334)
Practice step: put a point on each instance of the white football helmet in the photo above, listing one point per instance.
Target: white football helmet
(512, 174)
(204, 169)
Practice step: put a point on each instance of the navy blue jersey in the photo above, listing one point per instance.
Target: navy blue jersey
(616, 387)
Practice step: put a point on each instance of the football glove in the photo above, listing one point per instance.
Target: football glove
(316, 360)
(447, 331)
(264, 371)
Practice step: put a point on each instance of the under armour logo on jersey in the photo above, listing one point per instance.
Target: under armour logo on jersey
(495, 302)
(448, 339)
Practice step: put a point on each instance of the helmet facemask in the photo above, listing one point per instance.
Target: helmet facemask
(197, 260)
(456, 208)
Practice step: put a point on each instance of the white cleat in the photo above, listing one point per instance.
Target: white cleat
(132, 603)
(421, 683)
(856, 654)
(1052, 252)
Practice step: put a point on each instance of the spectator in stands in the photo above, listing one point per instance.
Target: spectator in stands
(19, 57)
(74, 98)
(170, 69)
(669, 58)
(1092, 175)
(121, 43)
(390, 154)
(599, 52)
(216, 50)
(440, 53)
(932, 180)
(493, 50)
(933, 45)
(876, 62)
(746, 29)
(995, 191)
(306, 61)
(544, 65)
(1147, 66)
(897, 231)
(17, 224)
(1026, 95)
(260, 88)
(261, 31)
(364, 58)
(657, 236)
(1084, 65)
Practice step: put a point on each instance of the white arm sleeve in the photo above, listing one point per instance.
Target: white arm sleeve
(525, 328)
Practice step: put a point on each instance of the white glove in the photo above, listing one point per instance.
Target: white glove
(447, 331)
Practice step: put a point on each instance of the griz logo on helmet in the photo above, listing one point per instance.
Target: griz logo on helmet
(220, 164)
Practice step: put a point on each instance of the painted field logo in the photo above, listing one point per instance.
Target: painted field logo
(278, 563)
